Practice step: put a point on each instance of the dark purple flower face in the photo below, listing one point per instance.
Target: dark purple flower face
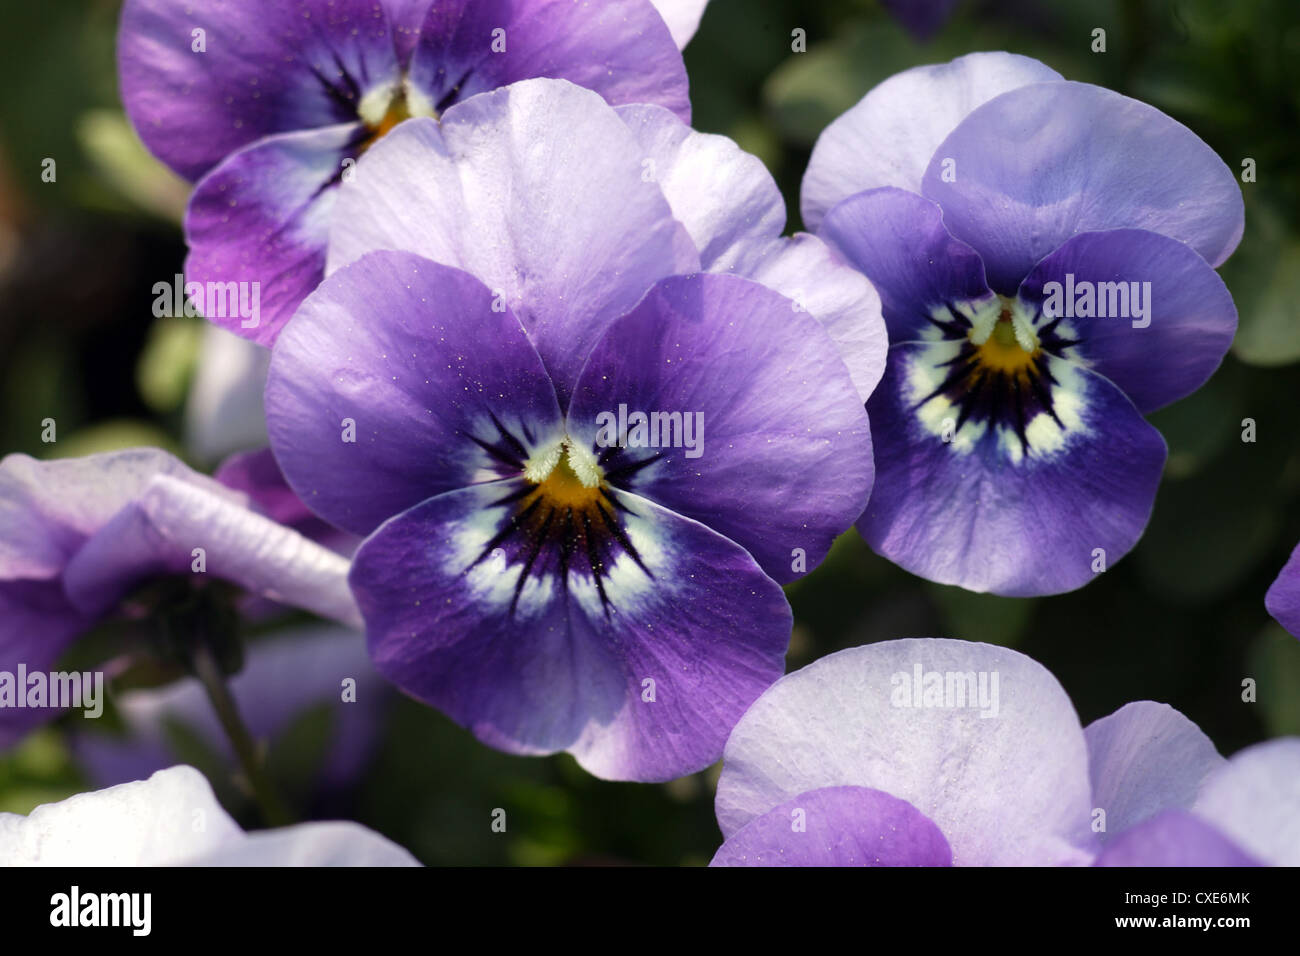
(932, 752)
(80, 538)
(583, 475)
(268, 106)
(1044, 252)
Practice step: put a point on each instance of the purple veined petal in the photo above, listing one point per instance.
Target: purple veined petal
(621, 49)
(887, 139)
(922, 18)
(158, 532)
(1002, 769)
(838, 826)
(37, 624)
(174, 819)
(1168, 318)
(1283, 597)
(929, 282)
(258, 475)
(770, 445)
(1144, 759)
(258, 224)
(1024, 484)
(282, 676)
(398, 380)
(682, 17)
(406, 18)
(1255, 800)
(1039, 164)
(809, 272)
(609, 627)
(223, 413)
(536, 190)
(720, 193)
(1173, 838)
(263, 69)
(49, 508)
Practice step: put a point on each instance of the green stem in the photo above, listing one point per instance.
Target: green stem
(274, 811)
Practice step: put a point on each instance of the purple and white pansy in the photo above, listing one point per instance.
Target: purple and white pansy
(585, 463)
(1045, 254)
(927, 752)
(137, 536)
(267, 106)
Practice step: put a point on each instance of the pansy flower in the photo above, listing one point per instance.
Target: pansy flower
(268, 105)
(1283, 597)
(928, 752)
(133, 538)
(513, 291)
(173, 819)
(1044, 251)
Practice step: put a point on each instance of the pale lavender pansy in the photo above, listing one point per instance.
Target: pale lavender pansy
(267, 107)
(173, 819)
(548, 583)
(118, 535)
(927, 752)
(1045, 254)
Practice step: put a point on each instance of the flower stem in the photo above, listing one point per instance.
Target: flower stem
(274, 811)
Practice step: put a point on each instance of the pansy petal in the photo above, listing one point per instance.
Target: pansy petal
(37, 624)
(977, 489)
(536, 189)
(621, 49)
(1173, 838)
(158, 533)
(1161, 319)
(898, 240)
(719, 192)
(1255, 800)
(1146, 758)
(441, 386)
(1039, 164)
(682, 17)
(224, 412)
(1283, 597)
(838, 826)
(771, 446)
(1001, 770)
(257, 227)
(199, 81)
(540, 631)
(887, 139)
(811, 274)
(327, 843)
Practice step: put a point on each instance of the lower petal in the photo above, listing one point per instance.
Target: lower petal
(1020, 490)
(838, 826)
(1174, 838)
(635, 651)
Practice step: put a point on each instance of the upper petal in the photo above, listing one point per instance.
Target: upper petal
(535, 189)
(1003, 775)
(771, 447)
(838, 826)
(621, 49)
(623, 633)
(436, 377)
(887, 139)
(1158, 319)
(1144, 759)
(1255, 799)
(201, 80)
(1035, 166)
(682, 17)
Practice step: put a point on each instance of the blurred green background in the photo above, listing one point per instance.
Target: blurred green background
(1180, 620)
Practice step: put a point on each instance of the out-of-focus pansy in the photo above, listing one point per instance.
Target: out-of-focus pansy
(173, 819)
(929, 752)
(922, 18)
(1045, 254)
(268, 106)
(139, 539)
(540, 567)
(1283, 597)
